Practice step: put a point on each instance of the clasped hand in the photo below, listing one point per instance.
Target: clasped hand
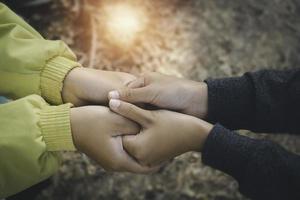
(127, 137)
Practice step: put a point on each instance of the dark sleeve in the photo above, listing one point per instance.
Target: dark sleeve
(263, 101)
(263, 169)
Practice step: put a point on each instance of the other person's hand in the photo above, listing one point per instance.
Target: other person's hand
(83, 86)
(167, 92)
(164, 134)
(98, 132)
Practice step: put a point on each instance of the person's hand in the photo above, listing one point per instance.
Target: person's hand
(164, 134)
(97, 132)
(185, 96)
(83, 86)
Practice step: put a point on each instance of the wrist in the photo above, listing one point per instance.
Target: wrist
(71, 87)
(203, 101)
(200, 133)
(199, 102)
(76, 127)
(53, 76)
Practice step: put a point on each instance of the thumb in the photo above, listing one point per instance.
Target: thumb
(132, 95)
(131, 165)
(132, 144)
(130, 111)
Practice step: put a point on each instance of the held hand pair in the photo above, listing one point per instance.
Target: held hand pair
(164, 134)
(96, 130)
(130, 138)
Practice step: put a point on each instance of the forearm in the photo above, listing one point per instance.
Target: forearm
(264, 101)
(263, 169)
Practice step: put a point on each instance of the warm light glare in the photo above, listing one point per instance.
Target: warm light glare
(123, 22)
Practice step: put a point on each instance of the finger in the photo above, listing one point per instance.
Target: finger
(131, 144)
(134, 146)
(131, 165)
(124, 162)
(125, 126)
(137, 95)
(130, 111)
(137, 83)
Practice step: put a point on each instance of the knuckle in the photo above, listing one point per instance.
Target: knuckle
(119, 122)
(147, 77)
(151, 116)
(132, 127)
(153, 98)
(122, 123)
(127, 94)
(143, 82)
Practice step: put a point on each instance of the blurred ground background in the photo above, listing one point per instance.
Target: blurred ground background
(195, 39)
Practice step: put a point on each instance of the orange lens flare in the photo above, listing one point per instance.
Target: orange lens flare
(123, 23)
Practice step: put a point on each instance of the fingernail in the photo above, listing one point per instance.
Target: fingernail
(113, 103)
(114, 95)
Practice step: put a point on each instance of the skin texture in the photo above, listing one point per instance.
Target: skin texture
(167, 92)
(83, 86)
(98, 132)
(163, 135)
(103, 135)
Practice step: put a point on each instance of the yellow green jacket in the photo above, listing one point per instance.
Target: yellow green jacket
(35, 126)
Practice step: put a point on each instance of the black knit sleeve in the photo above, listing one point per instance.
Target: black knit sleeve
(263, 169)
(263, 101)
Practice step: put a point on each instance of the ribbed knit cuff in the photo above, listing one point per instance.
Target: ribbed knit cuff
(56, 127)
(53, 76)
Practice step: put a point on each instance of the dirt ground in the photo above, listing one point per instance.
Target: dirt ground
(195, 39)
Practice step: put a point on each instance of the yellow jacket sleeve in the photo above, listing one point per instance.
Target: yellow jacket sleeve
(31, 132)
(29, 64)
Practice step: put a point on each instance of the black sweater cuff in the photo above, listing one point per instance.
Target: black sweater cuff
(227, 151)
(230, 101)
(264, 170)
